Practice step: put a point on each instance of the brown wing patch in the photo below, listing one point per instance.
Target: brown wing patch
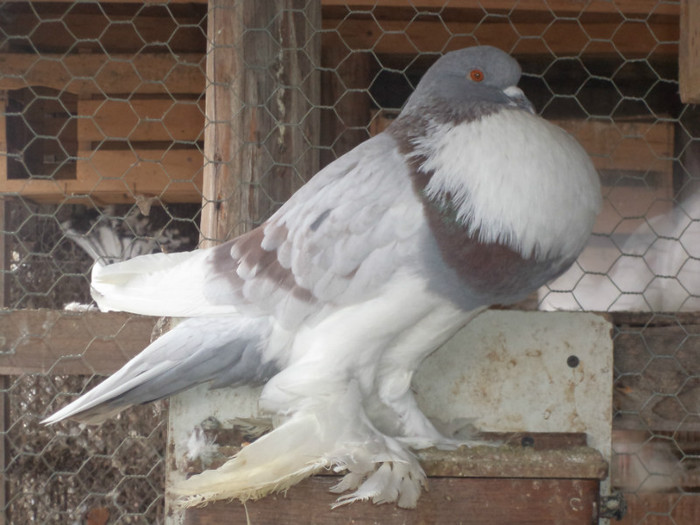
(244, 258)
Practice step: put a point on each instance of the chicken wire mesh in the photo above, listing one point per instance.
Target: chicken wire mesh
(102, 133)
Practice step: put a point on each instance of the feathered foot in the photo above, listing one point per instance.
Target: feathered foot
(394, 477)
(378, 467)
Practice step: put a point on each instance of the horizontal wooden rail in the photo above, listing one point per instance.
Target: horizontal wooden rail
(62, 342)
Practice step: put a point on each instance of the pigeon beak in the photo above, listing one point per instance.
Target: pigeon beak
(518, 98)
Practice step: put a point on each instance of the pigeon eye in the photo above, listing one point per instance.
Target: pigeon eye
(477, 75)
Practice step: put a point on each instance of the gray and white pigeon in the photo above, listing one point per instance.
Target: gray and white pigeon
(466, 200)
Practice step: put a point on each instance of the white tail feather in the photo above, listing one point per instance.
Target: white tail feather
(161, 284)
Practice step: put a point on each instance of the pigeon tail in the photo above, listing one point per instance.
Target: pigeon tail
(334, 435)
(162, 284)
(222, 350)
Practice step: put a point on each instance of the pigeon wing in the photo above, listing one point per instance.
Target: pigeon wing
(339, 237)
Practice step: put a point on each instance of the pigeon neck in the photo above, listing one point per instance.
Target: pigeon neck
(501, 176)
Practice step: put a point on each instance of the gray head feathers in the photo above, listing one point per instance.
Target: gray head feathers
(469, 76)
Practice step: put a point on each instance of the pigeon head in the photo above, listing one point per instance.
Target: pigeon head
(470, 80)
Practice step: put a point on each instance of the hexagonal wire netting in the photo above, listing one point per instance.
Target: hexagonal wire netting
(102, 132)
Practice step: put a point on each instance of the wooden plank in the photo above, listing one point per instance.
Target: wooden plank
(547, 455)
(642, 319)
(86, 28)
(564, 37)
(4, 380)
(170, 174)
(510, 461)
(628, 7)
(109, 192)
(4, 449)
(4, 255)
(120, 1)
(469, 500)
(3, 148)
(119, 176)
(61, 342)
(140, 120)
(561, 7)
(95, 74)
(689, 52)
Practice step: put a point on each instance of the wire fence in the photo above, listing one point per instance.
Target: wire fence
(102, 153)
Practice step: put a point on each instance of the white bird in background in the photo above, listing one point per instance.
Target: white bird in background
(108, 238)
(657, 270)
(466, 200)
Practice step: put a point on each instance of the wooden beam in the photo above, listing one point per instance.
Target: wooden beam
(689, 52)
(4, 256)
(3, 173)
(5, 423)
(86, 28)
(565, 37)
(118, 176)
(140, 120)
(61, 342)
(96, 74)
(627, 7)
(562, 7)
(260, 120)
(515, 461)
(495, 501)
(118, 1)
(4, 294)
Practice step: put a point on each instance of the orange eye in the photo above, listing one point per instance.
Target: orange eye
(477, 75)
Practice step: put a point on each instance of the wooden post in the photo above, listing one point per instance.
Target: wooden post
(260, 131)
(4, 451)
(689, 52)
(4, 295)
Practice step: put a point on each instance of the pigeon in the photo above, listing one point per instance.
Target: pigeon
(468, 199)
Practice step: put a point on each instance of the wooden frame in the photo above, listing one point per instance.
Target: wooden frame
(689, 52)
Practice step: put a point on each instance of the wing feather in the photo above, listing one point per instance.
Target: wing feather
(334, 243)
